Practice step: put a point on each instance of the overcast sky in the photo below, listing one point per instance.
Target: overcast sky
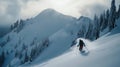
(11, 10)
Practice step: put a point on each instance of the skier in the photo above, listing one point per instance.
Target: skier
(81, 44)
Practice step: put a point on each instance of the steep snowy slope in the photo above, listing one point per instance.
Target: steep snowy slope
(35, 32)
(103, 52)
(61, 41)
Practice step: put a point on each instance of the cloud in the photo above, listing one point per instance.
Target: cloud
(91, 10)
(11, 10)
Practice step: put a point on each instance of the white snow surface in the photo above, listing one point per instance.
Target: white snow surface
(103, 52)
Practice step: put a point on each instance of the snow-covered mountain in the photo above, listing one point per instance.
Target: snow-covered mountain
(49, 31)
(49, 40)
(35, 32)
(103, 52)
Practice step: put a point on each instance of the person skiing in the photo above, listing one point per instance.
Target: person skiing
(81, 44)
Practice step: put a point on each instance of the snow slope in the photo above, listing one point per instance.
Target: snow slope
(61, 41)
(36, 29)
(104, 52)
(64, 34)
(60, 29)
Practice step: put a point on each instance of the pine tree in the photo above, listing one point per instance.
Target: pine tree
(16, 24)
(11, 27)
(89, 32)
(8, 38)
(112, 16)
(101, 20)
(26, 57)
(96, 27)
(2, 58)
(20, 26)
(104, 23)
(118, 12)
(32, 54)
(24, 46)
(107, 17)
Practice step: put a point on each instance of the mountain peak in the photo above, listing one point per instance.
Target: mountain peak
(83, 18)
(48, 13)
(48, 10)
(51, 13)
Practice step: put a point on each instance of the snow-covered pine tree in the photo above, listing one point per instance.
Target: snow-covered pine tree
(107, 17)
(101, 20)
(20, 26)
(118, 12)
(8, 38)
(11, 27)
(32, 54)
(96, 30)
(16, 24)
(2, 58)
(112, 15)
(24, 46)
(89, 33)
(26, 57)
(103, 23)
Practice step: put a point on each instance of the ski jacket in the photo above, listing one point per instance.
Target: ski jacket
(81, 43)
